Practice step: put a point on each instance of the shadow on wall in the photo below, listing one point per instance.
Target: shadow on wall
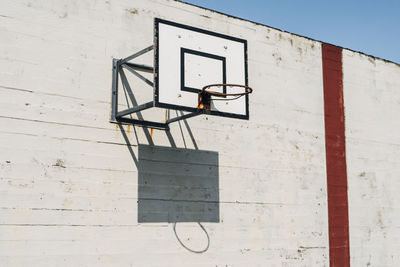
(174, 184)
(177, 185)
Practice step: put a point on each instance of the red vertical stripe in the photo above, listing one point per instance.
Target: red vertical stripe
(339, 251)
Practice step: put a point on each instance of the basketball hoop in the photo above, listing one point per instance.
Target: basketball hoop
(193, 55)
(205, 94)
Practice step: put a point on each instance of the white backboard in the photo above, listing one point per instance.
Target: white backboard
(188, 58)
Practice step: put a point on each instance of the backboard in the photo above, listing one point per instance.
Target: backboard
(189, 58)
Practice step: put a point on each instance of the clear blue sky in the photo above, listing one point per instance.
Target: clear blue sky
(368, 26)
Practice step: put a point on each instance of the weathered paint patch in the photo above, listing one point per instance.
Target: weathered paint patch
(335, 156)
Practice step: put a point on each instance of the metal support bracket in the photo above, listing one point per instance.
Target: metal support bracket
(117, 74)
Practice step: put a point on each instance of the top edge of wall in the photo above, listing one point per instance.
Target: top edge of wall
(299, 35)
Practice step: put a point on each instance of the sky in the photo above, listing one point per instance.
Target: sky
(369, 26)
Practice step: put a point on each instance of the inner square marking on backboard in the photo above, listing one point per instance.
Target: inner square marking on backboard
(206, 69)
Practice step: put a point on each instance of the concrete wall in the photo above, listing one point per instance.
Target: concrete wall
(76, 190)
(372, 101)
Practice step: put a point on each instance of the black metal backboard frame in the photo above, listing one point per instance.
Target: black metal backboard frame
(118, 73)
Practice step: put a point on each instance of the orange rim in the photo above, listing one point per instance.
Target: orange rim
(248, 89)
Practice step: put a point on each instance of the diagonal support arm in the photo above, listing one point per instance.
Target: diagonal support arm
(141, 52)
(186, 116)
(140, 67)
(138, 75)
(135, 109)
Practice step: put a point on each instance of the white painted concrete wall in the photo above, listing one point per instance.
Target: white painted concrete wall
(372, 108)
(69, 184)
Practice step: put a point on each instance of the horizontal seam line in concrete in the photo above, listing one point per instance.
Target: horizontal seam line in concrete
(72, 139)
(58, 123)
(52, 94)
(73, 225)
(205, 201)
